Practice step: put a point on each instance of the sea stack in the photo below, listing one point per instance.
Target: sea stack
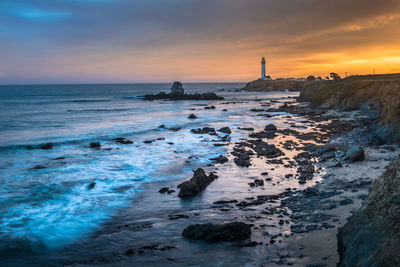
(177, 89)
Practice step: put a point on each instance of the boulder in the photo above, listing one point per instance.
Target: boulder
(354, 154)
(95, 145)
(225, 130)
(270, 128)
(218, 232)
(204, 130)
(192, 116)
(177, 89)
(46, 146)
(220, 159)
(196, 184)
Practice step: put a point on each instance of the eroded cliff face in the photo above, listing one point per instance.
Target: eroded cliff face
(371, 237)
(378, 98)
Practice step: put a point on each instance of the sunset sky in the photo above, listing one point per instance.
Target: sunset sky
(73, 41)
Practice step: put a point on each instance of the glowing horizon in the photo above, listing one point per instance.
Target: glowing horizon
(119, 41)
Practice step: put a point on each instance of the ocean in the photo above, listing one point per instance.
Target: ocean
(47, 201)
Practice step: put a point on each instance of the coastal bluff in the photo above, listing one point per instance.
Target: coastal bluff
(377, 96)
(371, 236)
(274, 85)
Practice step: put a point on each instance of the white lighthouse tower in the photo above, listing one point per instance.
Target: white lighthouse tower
(263, 73)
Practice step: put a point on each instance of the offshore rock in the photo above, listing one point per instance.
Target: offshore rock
(177, 89)
(198, 183)
(218, 232)
(371, 236)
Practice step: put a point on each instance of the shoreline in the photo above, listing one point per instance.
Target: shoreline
(282, 234)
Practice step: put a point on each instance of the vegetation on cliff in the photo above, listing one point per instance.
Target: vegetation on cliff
(379, 95)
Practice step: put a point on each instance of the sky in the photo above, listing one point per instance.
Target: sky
(122, 41)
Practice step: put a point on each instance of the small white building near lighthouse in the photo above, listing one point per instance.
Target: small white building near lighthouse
(263, 71)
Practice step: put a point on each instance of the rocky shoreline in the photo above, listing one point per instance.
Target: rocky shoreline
(275, 196)
(336, 149)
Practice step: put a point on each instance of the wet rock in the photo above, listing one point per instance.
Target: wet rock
(209, 107)
(192, 116)
(177, 89)
(270, 128)
(95, 145)
(221, 202)
(46, 146)
(263, 134)
(163, 190)
(204, 130)
(162, 126)
(249, 244)
(242, 157)
(170, 191)
(246, 128)
(39, 167)
(147, 141)
(225, 130)
(92, 185)
(346, 201)
(122, 140)
(354, 154)
(220, 159)
(196, 96)
(178, 216)
(218, 232)
(129, 252)
(196, 184)
(264, 149)
(257, 182)
(175, 129)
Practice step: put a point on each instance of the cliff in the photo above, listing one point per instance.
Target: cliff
(371, 237)
(274, 85)
(377, 95)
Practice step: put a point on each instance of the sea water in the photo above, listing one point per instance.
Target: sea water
(45, 198)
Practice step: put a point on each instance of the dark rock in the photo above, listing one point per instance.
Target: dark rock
(204, 130)
(264, 149)
(92, 185)
(129, 252)
(39, 167)
(177, 89)
(123, 141)
(225, 201)
(163, 190)
(220, 159)
(246, 128)
(178, 216)
(262, 134)
(170, 191)
(346, 201)
(196, 184)
(192, 116)
(95, 145)
(225, 130)
(196, 96)
(248, 244)
(354, 154)
(209, 107)
(162, 126)
(270, 128)
(46, 146)
(147, 141)
(218, 232)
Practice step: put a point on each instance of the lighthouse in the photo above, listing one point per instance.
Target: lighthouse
(263, 73)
